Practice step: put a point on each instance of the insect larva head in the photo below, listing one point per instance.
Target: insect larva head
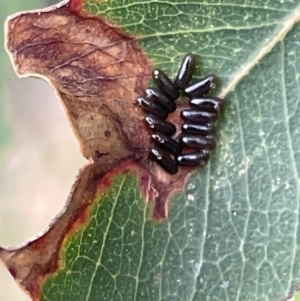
(212, 81)
(150, 122)
(206, 152)
(158, 138)
(140, 100)
(156, 153)
(156, 73)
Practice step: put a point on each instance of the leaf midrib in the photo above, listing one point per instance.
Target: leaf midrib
(291, 20)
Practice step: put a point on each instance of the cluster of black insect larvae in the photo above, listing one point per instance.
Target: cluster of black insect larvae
(196, 141)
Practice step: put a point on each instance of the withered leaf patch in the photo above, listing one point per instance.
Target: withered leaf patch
(97, 72)
(95, 69)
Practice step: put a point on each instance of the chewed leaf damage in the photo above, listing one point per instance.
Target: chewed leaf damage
(97, 72)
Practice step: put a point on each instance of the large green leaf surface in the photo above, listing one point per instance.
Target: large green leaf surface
(234, 232)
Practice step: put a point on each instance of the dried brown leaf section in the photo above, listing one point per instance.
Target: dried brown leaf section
(96, 70)
(97, 73)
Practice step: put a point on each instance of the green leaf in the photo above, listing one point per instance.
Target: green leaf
(234, 235)
(245, 213)
(234, 232)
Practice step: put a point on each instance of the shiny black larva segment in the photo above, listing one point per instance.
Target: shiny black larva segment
(164, 84)
(197, 141)
(160, 125)
(186, 71)
(202, 86)
(201, 129)
(192, 159)
(198, 116)
(167, 143)
(214, 103)
(153, 107)
(164, 160)
(155, 94)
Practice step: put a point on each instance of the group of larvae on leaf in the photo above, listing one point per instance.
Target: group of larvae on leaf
(197, 138)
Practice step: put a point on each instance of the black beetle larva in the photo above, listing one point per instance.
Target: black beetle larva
(207, 102)
(155, 94)
(164, 84)
(197, 115)
(152, 107)
(160, 125)
(197, 141)
(195, 158)
(164, 160)
(167, 143)
(186, 71)
(201, 129)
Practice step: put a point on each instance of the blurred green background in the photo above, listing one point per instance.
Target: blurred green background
(39, 155)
